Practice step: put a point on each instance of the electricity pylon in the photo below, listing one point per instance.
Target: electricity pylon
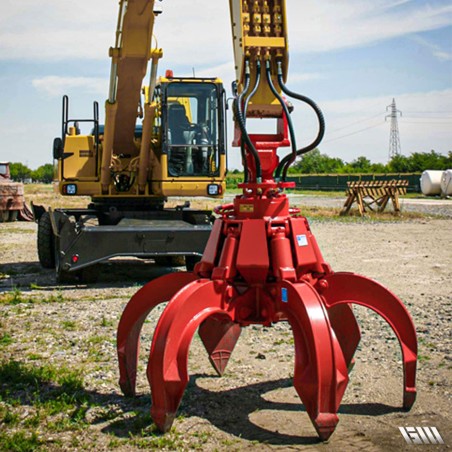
(394, 137)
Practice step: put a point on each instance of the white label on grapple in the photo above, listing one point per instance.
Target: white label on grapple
(302, 240)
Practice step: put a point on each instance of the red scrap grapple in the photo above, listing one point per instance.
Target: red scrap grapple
(261, 265)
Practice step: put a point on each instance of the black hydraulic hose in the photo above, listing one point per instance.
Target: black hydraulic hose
(245, 109)
(255, 88)
(293, 155)
(286, 161)
(242, 143)
(241, 121)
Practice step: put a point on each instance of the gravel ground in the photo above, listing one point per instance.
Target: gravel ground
(254, 405)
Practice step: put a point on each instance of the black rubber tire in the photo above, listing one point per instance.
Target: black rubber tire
(46, 242)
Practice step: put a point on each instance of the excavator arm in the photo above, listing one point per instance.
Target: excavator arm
(129, 63)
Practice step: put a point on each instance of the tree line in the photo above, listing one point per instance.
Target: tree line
(312, 163)
(20, 173)
(317, 163)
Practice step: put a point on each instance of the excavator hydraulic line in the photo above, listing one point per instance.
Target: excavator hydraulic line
(245, 109)
(238, 110)
(286, 161)
(291, 158)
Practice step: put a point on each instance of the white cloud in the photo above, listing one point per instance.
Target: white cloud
(55, 86)
(198, 32)
(437, 51)
(335, 24)
(54, 30)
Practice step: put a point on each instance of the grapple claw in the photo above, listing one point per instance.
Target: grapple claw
(347, 331)
(325, 424)
(167, 367)
(219, 336)
(138, 308)
(320, 376)
(344, 288)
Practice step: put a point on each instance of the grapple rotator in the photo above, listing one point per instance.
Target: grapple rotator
(262, 265)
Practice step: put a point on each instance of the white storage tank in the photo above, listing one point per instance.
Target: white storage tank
(431, 182)
(446, 183)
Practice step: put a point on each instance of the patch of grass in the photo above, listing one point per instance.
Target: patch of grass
(15, 229)
(35, 419)
(94, 353)
(333, 214)
(16, 296)
(105, 322)
(19, 441)
(69, 325)
(288, 340)
(39, 384)
(98, 339)
(114, 442)
(56, 395)
(10, 418)
(423, 358)
(151, 439)
(229, 442)
(5, 339)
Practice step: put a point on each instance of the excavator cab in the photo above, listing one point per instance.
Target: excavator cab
(193, 133)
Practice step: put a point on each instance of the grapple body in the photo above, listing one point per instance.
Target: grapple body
(260, 270)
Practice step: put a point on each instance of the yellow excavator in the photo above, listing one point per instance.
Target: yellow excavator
(171, 143)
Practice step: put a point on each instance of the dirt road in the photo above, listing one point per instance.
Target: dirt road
(67, 329)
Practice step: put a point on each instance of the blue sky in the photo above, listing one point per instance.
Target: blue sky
(351, 56)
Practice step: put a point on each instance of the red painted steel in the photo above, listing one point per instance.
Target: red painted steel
(261, 271)
(132, 319)
(219, 336)
(261, 265)
(339, 288)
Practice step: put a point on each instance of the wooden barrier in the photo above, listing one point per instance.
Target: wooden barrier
(374, 195)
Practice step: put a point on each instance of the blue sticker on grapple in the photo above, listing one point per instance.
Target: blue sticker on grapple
(284, 295)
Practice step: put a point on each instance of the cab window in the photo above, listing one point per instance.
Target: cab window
(192, 129)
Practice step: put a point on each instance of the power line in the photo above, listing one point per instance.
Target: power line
(357, 122)
(428, 112)
(433, 123)
(354, 133)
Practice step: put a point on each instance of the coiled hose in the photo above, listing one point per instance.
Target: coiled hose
(287, 161)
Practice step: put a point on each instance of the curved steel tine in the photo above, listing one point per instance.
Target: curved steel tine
(168, 360)
(340, 288)
(138, 308)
